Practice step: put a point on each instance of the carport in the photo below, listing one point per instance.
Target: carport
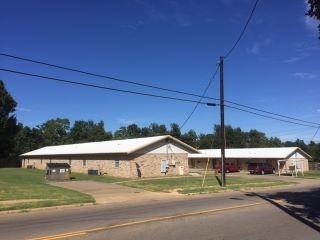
(282, 158)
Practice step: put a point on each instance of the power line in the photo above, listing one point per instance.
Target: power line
(202, 96)
(275, 114)
(100, 87)
(160, 88)
(315, 134)
(228, 53)
(155, 87)
(243, 31)
(96, 75)
(265, 116)
(145, 94)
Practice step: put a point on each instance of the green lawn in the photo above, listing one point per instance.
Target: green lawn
(190, 185)
(30, 188)
(311, 174)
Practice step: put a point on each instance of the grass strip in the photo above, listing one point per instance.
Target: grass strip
(193, 185)
(311, 174)
(30, 184)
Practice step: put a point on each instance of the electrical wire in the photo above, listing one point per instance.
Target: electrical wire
(145, 94)
(278, 119)
(158, 88)
(201, 98)
(95, 74)
(243, 31)
(275, 114)
(226, 56)
(100, 87)
(315, 134)
(121, 80)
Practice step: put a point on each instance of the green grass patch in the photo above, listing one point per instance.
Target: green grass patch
(311, 174)
(193, 185)
(30, 187)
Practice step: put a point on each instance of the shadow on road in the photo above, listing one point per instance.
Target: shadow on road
(304, 206)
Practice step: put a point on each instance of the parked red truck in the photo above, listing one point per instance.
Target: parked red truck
(229, 167)
(260, 168)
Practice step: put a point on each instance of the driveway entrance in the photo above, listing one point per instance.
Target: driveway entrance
(111, 193)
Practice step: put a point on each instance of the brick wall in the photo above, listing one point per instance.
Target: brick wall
(150, 165)
(129, 166)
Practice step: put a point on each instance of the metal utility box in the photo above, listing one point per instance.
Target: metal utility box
(164, 166)
(93, 172)
(58, 171)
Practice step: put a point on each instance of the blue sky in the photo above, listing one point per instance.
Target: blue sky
(169, 44)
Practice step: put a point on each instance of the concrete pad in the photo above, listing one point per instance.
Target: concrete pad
(111, 193)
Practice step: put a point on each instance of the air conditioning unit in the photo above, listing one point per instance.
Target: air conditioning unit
(93, 172)
(172, 162)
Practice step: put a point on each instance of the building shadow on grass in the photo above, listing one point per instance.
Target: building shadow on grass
(303, 206)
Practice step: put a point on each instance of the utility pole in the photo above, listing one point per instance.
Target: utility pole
(222, 128)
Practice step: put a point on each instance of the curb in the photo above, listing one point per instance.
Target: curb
(27, 210)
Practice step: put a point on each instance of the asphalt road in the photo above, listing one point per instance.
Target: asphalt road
(293, 213)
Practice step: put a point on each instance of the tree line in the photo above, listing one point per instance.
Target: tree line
(15, 138)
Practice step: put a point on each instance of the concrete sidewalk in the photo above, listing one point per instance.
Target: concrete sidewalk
(112, 193)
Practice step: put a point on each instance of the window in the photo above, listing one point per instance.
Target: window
(116, 163)
(84, 163)
(70, 161)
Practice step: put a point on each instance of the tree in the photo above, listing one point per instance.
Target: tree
(300, 143)
(27, 140)
(190, 138)
(146, 132)
(162, 130)
(289, 144)
(235, 137)
(205, 141)
(274, 142)
(158, 130)
(88, 131)
(175, 130)
(99, 133)
(133, 131)
(216, 140)
(256, 139)
(121, 133)
(56, 131)
(8, 122)
(314, 151)
(314, 11)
